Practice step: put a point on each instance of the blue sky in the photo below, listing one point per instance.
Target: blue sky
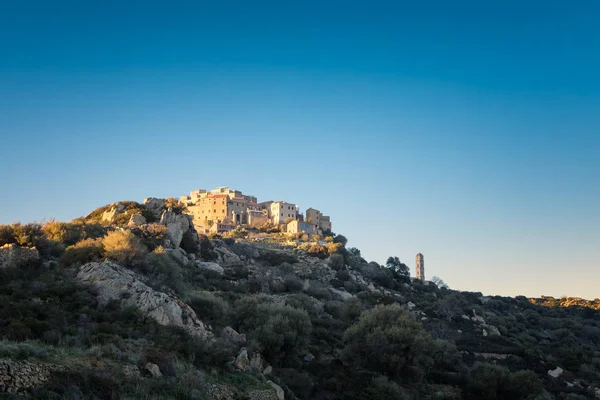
(467, 131)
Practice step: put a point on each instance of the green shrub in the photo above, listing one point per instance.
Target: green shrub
(388, 340)
(336, 262)
(85, 251)
(163, 270)
(491, 382)
(210, 308)
(293, 284)
(320, 293)
(123, 247)
(381, 388)
(279, 330)
(63, 232)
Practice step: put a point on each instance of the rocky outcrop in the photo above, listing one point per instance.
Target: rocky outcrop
(112, 212)
(155, 206)
(16, 376)
(340, 294)
(177, 226)
(555, 373)
(278, 390)
(153, 370)
(136, 220)
(226, 257)
(211, 266)
(12, 255)
(114, 282)
(233, 336)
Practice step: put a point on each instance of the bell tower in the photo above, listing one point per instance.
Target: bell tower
(420, 267)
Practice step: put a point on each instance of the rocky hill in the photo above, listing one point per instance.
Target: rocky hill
(130, 302)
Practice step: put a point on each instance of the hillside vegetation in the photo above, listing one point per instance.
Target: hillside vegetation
(104, 307)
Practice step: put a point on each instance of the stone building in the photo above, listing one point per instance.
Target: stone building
(420, 266)
(319, 221)
(282, 210)
(297, 226)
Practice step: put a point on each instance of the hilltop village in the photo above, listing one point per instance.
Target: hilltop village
(223, 209)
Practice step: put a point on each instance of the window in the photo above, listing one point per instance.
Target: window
(223, 211)
(282, 214)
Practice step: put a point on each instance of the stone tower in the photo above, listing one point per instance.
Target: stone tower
(420, 267)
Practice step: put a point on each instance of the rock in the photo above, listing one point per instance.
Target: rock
(459, 331)
(492, 330)
(153, 370)
(114, 282)
(268, 370)
(211, 266)
(340, 294)
(219, 392)
(372, 287)
(12, 255)
(278, 390)
(178, 255)
(19, 376)
(465, 317)
(177, 225)
(485, 332)
(484, 299)
(478, 319)
(309, 357)
(242, 362)
(256, 363)
(111, 213)
(597, 392)
(262, 395)
(556, 372)
(226, 257)
(155, 206)
(131, 371)
(233, 336)
(410, 305)
(136, 220)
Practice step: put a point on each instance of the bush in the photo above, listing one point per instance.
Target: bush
(279, 330)
(336, 262)
(276, 258)
(63, 232)
(163, 270)
(6, 235)
(320, 293)
(123, 247)
(381, 388)
(210, 308)
(386, 339)
(293, 284)
(164, 360)
(88, 250)
(491, 382)
(343, 276)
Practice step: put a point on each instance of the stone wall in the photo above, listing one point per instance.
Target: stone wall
(17, 376)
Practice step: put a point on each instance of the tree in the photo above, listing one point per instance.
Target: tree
(439, 282)
(397, 266)
(388, 340)
(340, 239)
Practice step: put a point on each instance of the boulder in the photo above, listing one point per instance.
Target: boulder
(155, 206)
(242, 362)
(597, 393)
(178, 255)
(555, 373)
(114, 282)
(136, 220)
(131, 371)
(278, 390)
(465, 317)
(340, 294)
(112, 212)
(233, 336)
(492, 330)
(177, 225)
(12, 255)
(309, 357)
(153, 370)
(226, 257)
(256, 363)
(211, 266)
(268, 370)
(478, 319)
(410, 305)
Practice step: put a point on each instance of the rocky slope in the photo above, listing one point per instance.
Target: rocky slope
(130, 302)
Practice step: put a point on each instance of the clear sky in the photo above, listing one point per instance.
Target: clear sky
(468, 131)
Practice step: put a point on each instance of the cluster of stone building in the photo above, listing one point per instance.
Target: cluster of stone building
(223, 209)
